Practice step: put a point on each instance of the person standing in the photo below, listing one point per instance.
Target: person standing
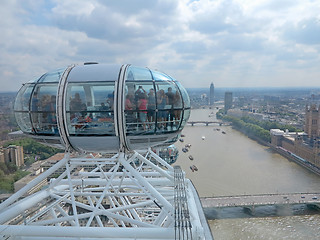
(162, 113)
(142, 106)
(151, 105)
(170, 95)
(177, 106)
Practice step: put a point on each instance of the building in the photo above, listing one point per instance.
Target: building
(12, 154)
(312, 121)
(305, 145)
(227, 101)
(239, 113)
(211, 100)
(48, 163)
(297, 144)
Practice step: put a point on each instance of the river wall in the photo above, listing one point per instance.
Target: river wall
(282, 152)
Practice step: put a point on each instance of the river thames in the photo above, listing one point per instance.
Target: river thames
(232, 164)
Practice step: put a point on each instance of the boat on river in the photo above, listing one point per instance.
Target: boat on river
(185, 150)
(193, 168)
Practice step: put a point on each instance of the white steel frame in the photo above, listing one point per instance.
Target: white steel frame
(126, 196)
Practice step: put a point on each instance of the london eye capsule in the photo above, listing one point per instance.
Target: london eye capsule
(103, 108)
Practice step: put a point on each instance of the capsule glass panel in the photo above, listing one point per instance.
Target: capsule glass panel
(34, 80)
(138, 73)
(140, 107)
(185, 96)
(23, 121)
(21, 108)
(43, 109)
(53, 76)
(90, 108)
(186, 115)
(169, 105)
(161, 76)
(22, 101)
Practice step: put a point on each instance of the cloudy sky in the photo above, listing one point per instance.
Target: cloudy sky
(232, 43)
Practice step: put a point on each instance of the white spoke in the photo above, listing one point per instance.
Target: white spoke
(122, 192)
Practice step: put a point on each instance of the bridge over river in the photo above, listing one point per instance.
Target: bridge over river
(207, 123)
(249, 202)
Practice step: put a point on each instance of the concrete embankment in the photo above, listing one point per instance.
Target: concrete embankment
(303, 163)
(286, 154)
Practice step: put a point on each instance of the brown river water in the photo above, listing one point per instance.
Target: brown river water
(232, 164)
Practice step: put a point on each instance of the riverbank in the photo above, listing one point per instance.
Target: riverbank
(259, 140)
(302, 162)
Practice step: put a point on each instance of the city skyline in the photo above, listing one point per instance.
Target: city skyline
(231, 43)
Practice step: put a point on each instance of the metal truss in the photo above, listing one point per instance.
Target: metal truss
(125, 196)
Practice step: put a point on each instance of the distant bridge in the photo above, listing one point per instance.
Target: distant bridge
(249, 202)
(207, 123)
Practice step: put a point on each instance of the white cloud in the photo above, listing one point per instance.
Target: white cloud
(229, 42)
(305, 32)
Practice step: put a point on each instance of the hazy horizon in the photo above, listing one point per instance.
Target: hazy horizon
(229, 89)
